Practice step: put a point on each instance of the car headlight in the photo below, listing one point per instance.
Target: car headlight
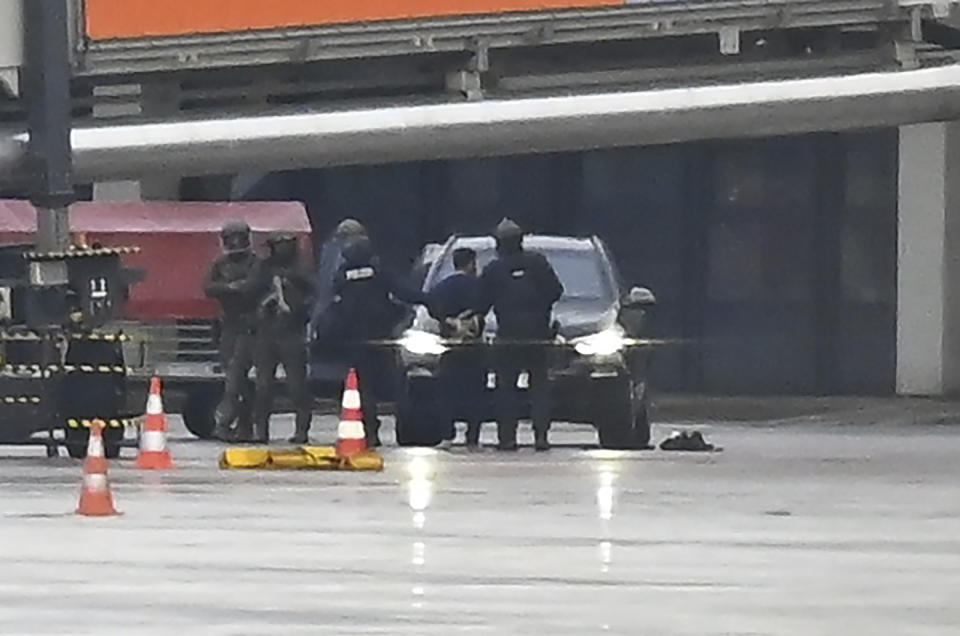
(605, 343)
(422, 343)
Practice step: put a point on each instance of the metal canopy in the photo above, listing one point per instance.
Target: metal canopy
(637, 19)
(387, 133)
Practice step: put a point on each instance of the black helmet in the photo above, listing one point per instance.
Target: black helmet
(508, 229)
(509, 236)
(235, 236)
(276, 238)
(350, 228)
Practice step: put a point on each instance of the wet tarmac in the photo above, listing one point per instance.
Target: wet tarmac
(796, 528)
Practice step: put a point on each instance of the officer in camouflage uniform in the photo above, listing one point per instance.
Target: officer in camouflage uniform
(226, 282)
(283, 293)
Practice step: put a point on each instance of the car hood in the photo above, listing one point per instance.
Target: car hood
(577, 317)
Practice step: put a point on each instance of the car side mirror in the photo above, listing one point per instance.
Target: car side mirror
(633, 310)
(640, 297)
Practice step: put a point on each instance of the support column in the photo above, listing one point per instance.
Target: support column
(155, 101)
(928, 273)
(49, 117)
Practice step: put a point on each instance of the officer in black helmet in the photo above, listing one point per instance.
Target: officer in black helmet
(522, 288)
(226, 282)
(282, 290)
(363, 313)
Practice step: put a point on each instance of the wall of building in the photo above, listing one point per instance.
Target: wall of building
(773, 260)
(11, 45)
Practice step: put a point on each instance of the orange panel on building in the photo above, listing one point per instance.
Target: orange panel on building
(114, 19)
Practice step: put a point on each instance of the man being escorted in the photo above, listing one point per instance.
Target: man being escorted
(462, 375)
(283, 291)
(226, 282)
(522, 288)
(363, 313)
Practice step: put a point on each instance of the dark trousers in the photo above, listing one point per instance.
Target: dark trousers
(509, 362)
(366, 360)
(461, 379)
(236, 358)
(271, 350)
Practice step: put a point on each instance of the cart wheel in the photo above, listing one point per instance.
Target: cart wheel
(76, 442)
(112, 439)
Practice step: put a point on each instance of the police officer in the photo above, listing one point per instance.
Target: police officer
(283, 291)
(226, 282)
(522, 288)
(452, 302)
(363, 313)
(329, 261)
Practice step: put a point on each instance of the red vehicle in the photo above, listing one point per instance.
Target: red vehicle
(171, 325)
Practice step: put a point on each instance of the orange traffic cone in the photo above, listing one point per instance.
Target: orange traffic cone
(154, 454)
(96, 499)
(350, 435)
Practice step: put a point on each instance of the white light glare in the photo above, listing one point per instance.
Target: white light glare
(605, 343)
(422, 343)
(605, 496)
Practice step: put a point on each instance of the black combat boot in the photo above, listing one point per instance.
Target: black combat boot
(244, 431)
(261, 433)
(371, 431)
(300, 436)
(506, 438)
(221, 427)
(473, 436)
(541, 443)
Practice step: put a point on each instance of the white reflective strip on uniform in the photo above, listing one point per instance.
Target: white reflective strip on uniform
(95, 447)
(523, 380)
(350, 429)
(351, 399)
(153, 441)
(154, 405)
(95, 481)
(359, 273)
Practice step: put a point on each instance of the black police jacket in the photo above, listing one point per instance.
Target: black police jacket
(364, 307)
(522, 288)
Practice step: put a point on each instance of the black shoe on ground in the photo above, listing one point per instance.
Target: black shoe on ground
(542, 443)
(507, 447)
(299, 438)
(685, 441)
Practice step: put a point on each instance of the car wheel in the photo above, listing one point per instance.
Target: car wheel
(198, 411)
(76, 441)
(615, 429)
(622, 426)
(416, 421)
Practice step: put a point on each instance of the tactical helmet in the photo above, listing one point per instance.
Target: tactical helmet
(235, 236)
(509, 236)
(508, 229)
(277, 238)
(350, 227)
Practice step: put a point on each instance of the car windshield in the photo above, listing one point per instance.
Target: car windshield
(580, 271)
